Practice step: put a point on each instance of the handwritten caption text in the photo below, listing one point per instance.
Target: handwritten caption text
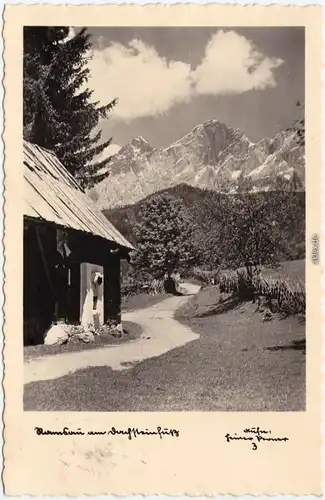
(130, 432)
(255, 435)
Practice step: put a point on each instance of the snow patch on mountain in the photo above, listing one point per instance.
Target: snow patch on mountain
(235, 174)
(257, 170)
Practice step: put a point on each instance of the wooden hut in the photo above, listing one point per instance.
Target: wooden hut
(72, 253)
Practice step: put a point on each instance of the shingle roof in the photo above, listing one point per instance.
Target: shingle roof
(52, 194)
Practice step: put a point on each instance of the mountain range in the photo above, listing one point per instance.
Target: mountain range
(212, 156)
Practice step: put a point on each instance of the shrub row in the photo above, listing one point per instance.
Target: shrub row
(288, 296)
(134, 285)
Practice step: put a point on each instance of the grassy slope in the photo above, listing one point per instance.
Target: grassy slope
(141, 301)
(206, 302)
(294, 269)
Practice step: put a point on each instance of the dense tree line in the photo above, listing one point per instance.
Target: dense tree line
(264, 228)
(221, 230)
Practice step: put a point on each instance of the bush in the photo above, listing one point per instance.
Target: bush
(133, 284)
(136, 283)
(206, 277)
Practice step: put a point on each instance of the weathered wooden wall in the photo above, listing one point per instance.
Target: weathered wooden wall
(38, 281)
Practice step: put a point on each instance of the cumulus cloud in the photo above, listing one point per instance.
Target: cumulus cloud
(147, 84)
(233, 65)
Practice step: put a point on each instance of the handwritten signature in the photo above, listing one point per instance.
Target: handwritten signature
(131, 432)
(255, 435)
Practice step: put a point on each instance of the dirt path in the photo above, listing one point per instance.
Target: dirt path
(161, 333)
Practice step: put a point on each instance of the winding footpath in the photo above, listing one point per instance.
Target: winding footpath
(161, 333)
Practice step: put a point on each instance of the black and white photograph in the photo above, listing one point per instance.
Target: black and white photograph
(164, 219)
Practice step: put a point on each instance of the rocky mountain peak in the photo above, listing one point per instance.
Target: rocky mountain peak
(211, 156)
(139, 141)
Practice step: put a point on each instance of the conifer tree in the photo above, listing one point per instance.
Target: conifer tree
(58, 111)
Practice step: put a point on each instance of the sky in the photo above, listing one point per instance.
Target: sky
(170, 79)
